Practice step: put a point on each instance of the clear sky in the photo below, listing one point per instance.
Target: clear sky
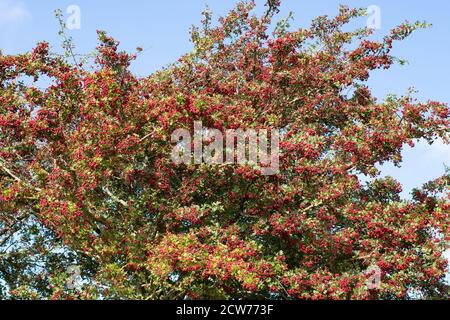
(162, 29)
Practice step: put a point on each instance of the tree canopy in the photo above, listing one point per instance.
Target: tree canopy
(87, 179)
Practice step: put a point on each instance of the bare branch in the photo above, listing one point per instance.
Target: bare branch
(15, 177)
(115, 198)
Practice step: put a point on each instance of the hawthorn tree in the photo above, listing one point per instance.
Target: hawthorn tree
(87, 178)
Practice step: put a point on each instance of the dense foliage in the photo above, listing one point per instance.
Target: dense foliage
(86, 176)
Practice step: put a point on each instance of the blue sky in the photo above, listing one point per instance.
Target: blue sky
(162, 29)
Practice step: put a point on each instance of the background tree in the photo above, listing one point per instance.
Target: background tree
(87, 177)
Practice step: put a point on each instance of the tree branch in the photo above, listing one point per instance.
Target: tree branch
(15, 177)
(116, 199)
